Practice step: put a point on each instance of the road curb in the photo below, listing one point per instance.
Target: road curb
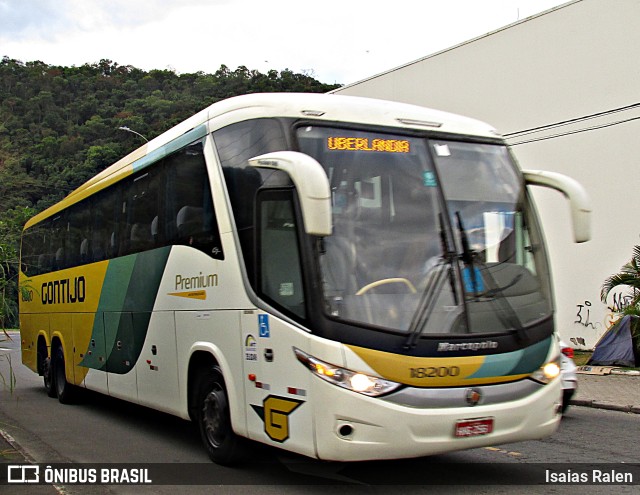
(598, 404)
(625, 372)
(7, 438)
(15, 446)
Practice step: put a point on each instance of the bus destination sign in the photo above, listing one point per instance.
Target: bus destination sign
(345, 143)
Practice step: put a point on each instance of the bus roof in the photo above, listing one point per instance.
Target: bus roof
(324, 107)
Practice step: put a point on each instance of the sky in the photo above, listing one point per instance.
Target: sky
(335, 41)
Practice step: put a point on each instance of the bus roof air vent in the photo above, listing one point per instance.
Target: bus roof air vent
(422, 123)
(313, 113)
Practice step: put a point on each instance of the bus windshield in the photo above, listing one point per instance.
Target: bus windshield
(429, 236)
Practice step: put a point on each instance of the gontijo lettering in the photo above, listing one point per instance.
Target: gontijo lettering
(64, 291)
(343, 143)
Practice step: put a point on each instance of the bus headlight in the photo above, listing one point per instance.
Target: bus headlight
(547, 372)
(342, 377)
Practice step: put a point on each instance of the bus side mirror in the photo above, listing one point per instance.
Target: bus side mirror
(579, 201)
(312, 184)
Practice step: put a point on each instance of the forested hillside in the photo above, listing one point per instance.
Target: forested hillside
(60, 125)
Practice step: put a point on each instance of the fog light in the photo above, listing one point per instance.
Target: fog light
(345, 430)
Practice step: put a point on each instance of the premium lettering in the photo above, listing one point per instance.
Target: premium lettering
(198, 282)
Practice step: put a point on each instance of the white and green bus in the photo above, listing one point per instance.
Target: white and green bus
(340, 277)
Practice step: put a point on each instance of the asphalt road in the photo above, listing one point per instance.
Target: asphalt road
(102, 430)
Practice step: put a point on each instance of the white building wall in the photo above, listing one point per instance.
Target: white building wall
(577, 60)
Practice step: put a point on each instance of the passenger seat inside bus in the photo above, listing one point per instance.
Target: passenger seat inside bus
(140, 237)
(189, 222)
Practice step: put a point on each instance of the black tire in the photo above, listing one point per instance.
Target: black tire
(64, 390)
(47, 375)
(567, 394)
(214, 421)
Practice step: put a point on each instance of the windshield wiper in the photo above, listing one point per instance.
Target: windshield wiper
(495, 294)
(427, 301)
(467, 255)
(430, 294)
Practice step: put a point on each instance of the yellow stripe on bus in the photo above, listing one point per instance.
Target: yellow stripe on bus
(429, 371)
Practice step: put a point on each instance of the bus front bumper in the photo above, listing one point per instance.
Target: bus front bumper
(353, 427)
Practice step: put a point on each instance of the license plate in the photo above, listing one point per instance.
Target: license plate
(473, 427)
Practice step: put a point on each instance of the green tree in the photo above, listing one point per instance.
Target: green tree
(626, 285)
(627, 279)
(10, 228)
(59, 126)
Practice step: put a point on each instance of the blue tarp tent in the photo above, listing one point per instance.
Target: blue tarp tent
(615, 348)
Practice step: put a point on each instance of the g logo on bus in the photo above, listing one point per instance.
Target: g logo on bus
(274, 413)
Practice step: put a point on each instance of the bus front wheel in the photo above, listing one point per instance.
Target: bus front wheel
(213, 417)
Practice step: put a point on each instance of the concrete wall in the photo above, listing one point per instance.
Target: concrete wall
(577, 60)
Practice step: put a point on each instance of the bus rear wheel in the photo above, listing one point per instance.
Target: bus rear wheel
(47, 374)
(63, 388)
(214, 420)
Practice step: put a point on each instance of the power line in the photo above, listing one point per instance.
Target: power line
(571, 121)
(577, 131)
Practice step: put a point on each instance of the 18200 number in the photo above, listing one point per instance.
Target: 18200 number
(435, 372)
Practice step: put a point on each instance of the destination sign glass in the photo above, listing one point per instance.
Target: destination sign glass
(348, 143)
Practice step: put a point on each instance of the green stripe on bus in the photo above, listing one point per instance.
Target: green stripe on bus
(123, 316)
(520, 362)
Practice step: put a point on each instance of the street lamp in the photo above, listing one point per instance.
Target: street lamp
(125, 128)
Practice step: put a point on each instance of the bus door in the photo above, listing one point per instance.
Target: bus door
(157, 368)
(93, 354)
(276, 386)
(120, 338)
(88, 352)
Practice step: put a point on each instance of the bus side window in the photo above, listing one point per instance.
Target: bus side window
(142, 208)
(279, 272)
(56, 246)
(190, 217)
(104, 234)
(236, 144)
(33, 248)
(45, 259)
(78, 234)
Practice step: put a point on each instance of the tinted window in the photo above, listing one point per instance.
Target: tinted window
(141, 207)
(190, 217)
(280, 276)
(167, 203)
(236, 144)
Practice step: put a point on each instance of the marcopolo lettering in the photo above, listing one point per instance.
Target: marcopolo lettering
(467, 346)
(65, 291)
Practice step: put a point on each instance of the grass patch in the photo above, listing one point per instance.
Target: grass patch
(10, 455)
(581, 357)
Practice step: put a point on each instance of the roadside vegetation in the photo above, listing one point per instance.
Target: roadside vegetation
(624, 286)
(580, 357)
(60, 126)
